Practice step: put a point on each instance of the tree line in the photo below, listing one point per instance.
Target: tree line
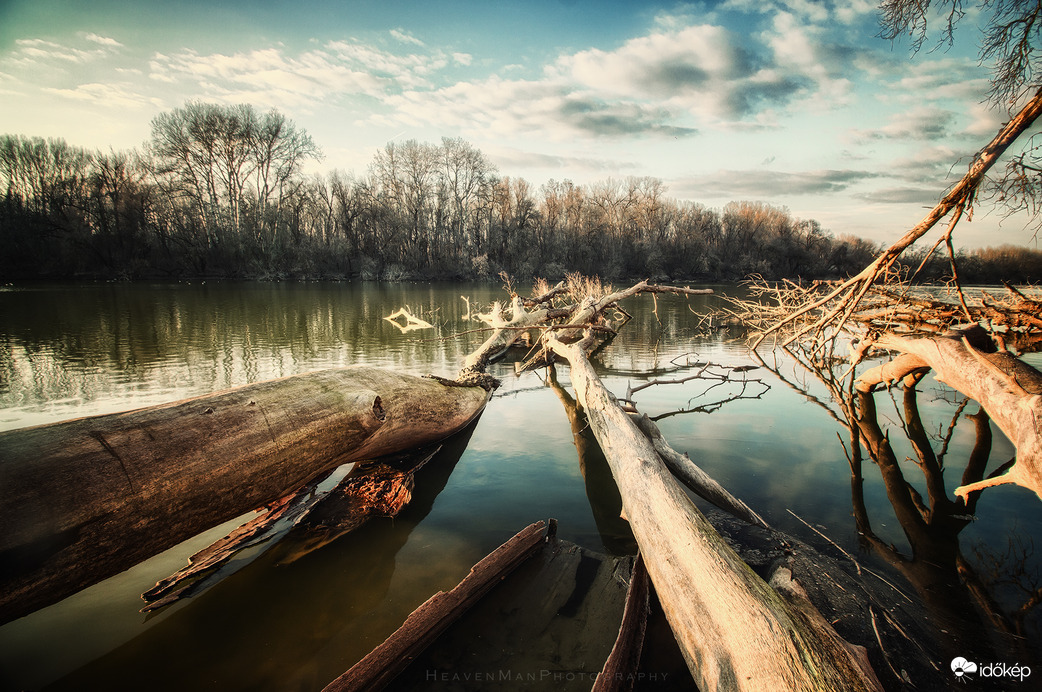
(224, 191)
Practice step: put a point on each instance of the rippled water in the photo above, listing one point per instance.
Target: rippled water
(78, 350)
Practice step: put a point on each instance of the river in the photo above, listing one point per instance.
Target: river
(769, 435)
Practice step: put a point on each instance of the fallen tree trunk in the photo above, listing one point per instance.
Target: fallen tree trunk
(734, 630)
(1006, 387)
(87, 498)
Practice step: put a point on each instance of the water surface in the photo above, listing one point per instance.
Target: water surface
(78, 350)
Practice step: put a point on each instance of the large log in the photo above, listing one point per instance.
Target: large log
(87, 498)
(735, 631)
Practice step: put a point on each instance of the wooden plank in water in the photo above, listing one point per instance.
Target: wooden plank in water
(425, 623)
(620, 670)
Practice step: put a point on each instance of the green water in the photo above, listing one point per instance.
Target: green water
(77, 350)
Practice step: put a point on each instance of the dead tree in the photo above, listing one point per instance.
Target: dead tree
(736, 631)
(815, 317)
(877, 313)
(1009, 389)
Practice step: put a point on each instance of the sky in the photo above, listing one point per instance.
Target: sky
(796, 103)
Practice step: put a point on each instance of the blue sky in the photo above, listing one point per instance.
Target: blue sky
(791, 102)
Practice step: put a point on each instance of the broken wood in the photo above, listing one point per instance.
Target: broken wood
(426, 622)
(87, 498)
(507, 330)
(370, 489)
(620, 670)
(735, 631)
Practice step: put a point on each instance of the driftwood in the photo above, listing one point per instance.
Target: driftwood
(736, 632)
(87, 498)
(620, 670)
(1009, 389)
(507, 330)
(426, 622)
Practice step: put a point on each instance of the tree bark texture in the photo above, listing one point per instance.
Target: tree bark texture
(734, 630)
(87, 498)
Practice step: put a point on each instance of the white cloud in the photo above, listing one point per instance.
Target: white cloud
(106, 95)
(769, 185)
(960, 79)
(508, 158)
(850, 11)
(703, 69)
(985, 120)
(819, 11)
(403, 36)
(550, 108)
(40, 51)
(275, 77)
(103, 40)
(670, 81)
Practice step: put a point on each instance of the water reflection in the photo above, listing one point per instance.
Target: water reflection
(83, 350)
(111, 347)
(601, 490)
(934, 567)
(955, 599)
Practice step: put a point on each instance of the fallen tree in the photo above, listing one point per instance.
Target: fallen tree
(736, 632)
(87, 498)
(877, 310)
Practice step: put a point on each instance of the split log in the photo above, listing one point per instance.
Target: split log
(425, 623)
(1006, 387)
(734, 630)
(87, 498)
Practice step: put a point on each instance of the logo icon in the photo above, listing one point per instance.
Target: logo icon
(963, 668)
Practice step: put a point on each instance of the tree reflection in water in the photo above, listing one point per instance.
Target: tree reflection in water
(956, 597)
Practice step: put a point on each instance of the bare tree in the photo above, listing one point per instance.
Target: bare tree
(224, 160)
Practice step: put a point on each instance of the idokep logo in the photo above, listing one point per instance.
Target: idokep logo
(963, 669)
(966, 670)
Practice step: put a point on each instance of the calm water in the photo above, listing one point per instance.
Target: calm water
(69, 351)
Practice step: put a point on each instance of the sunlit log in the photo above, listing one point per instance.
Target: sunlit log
(87, 498)
(735, 631)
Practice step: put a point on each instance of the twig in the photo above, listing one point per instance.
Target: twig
(849, 556)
